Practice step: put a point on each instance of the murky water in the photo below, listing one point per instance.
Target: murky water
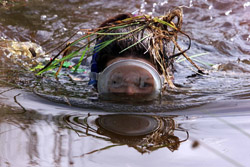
(205, 122)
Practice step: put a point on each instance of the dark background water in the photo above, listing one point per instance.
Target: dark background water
(213, 109)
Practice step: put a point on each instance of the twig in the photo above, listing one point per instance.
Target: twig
(7, 90)
(200, 70)
(15, 99)
(66, 100)
(64, 54)
(101, 149)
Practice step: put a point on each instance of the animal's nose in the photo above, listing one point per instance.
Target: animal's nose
(130, 90)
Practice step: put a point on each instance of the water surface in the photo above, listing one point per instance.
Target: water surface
(203, 123)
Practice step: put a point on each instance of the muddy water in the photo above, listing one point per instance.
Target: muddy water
(204, 122)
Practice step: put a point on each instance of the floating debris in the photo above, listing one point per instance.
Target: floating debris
(24, 54)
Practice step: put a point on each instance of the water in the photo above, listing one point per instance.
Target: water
(204, 122)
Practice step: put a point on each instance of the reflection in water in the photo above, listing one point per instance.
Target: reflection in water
(35, 139)
(143, 133)
(31, 138)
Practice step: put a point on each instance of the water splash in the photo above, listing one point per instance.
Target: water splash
(247, 4)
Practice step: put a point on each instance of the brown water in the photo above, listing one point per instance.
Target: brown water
(203, 123)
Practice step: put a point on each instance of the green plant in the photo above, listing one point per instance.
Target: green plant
(160, 29)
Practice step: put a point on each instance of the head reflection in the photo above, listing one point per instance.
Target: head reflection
(142, 132)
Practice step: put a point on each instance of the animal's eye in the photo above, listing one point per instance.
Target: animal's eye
(116, 81)
(145, 85)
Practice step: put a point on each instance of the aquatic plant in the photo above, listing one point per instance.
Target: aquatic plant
(159, 31)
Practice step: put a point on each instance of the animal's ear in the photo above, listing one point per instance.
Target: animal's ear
(116, 18)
